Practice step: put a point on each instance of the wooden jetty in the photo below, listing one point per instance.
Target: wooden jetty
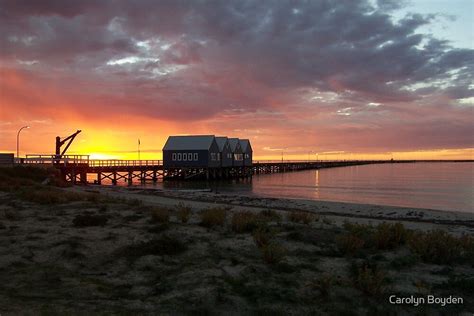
(80, 168)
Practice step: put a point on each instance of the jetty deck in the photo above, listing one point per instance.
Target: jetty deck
(80, 168)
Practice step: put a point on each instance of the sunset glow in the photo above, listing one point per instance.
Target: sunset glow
(301, 80)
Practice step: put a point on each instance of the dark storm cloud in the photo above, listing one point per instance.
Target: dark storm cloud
(204, 57)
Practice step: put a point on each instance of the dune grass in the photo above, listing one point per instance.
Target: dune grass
(183, 212)
(438, 246)
(213, 217)
(369, 279)
(160, 214)
(244, 222)
(300, 217)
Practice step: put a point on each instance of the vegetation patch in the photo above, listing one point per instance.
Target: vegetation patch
(369, 279)
(85, 220)
(269, 215)
(50, 195)
(11, 179)
(390, 236)
(273, 253)
(262, 236)
(349, 244)
(300, 217)
(160, 215)
(212, 217)
(244, 222)
(385, 236)
(404, 262)
(164, 245)
(322, 284)
(183, 212)
(438, 246)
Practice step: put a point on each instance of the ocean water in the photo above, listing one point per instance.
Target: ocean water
(441, 186)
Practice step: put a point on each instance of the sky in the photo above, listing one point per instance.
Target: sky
(355, 79)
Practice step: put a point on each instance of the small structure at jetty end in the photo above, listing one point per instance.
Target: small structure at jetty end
(206, 156)
(7, 159)
(224, 151)
(246, 151)
(238, 157)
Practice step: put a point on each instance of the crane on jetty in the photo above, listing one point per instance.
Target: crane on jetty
(60, 143)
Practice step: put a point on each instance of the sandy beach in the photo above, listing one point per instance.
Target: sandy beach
(118, 250)
(454, 221)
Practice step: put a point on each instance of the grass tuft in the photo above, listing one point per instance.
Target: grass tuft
(349, 244)
(262, 236)
(87, 220)
(244, 222)
(269, 215)
(300, 217)
(438, 246)
(390, 236)
(212, 217)
(183, 212)
(273, 253)
(369, 279)
(160, 215)
(164, 245)
(322, 284)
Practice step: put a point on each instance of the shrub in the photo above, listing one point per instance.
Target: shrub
(50, 195)
(300, 217)
(369, 279)
(273, 253)
(262, 236)
(360, 230)
(322, 284)
(390, 236)
(213, 217)
(349, 244)
(244, 222)
(164, 245)
(404, 262)
(184, 212)
(11, 179)
(438, 246)
(86, 220)
(160, 215)
(269, 215)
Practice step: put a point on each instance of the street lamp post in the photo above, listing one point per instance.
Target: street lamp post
(18, 142)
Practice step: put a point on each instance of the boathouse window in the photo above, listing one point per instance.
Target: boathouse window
(195, 157)
(179, 156)
(174, 157)
(213, 156)
(185, 157)
(190, 157)
(219, 156)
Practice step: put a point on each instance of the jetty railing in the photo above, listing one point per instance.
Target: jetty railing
(53, 159)
(124, 163)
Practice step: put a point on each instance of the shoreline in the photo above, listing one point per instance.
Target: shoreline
(342, 210)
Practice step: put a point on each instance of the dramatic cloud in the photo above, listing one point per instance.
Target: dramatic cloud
(350, 75)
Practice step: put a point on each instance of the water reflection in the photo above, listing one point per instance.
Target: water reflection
(444, 186)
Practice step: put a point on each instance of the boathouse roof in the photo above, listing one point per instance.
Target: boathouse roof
(245, 144)
(221, 140)
(233, 142)
(192, 142)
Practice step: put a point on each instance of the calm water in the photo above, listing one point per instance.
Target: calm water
(443, 186)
